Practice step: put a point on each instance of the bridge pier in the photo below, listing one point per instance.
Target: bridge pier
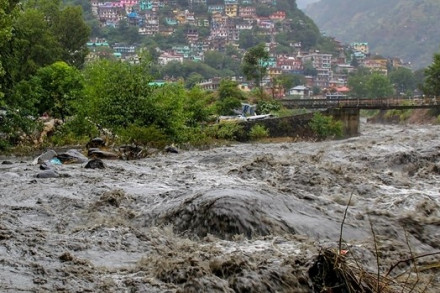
(349, 118)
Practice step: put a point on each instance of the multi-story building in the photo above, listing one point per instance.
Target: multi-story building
(150, 27)
(167, 57)
(231, 10)
(210, 84)
(232, 31)
(192, 35)
(360, 47)
(289, 64)
(319, 60)
(377, 65)
(278, 16)
(216, 8)
(247, 12)
(110, 12)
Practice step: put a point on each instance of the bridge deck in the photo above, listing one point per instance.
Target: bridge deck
(382, 104)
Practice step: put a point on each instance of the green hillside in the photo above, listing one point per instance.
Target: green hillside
(409, 29)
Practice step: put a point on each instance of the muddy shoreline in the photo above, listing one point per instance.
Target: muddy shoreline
(239, 218)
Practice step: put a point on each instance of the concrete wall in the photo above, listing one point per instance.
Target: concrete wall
(349, 119)
(298, 126)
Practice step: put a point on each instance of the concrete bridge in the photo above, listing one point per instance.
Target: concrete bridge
(362, 103)
(345, 110)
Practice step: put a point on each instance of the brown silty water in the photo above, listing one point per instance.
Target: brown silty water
(238, 218)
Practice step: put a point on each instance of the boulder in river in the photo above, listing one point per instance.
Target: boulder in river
(96, 153)
(171, 149)
(47, 156)
(95, 164)
(48, 174)
(72, 157)
(46, 166)
(96, 142)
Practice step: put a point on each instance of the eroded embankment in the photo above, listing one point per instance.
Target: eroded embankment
(241, 218)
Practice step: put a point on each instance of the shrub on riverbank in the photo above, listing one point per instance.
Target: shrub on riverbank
(258, 132)
(325, 126)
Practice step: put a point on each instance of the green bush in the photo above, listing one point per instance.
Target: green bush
(325, 126)
(77, 130)
(227, 106)
(4, 145)
(403, 115)
(229, 130)
(143, 135)
(194, 136)
(268, 107)
(284, 112)
(258, 132)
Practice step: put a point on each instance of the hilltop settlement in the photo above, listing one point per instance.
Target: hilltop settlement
(217, 33)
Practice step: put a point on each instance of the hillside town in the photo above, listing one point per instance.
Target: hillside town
(216, 25)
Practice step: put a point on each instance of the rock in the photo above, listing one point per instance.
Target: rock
(95, 164)
(96, 153)
(72, 157)
(96, 142)
(171, 149)
(46, 166)
(7, 163)
(47, 156)
(48, 174)
(129, 152)
(66, 257)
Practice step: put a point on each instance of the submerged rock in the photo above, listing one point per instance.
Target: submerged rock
(48, 174)
(46, 166)
(229, 212)
(7, 163)
(95, 164)
(72, 157)
(171, 149)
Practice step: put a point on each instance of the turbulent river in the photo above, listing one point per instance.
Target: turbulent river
(238, 218)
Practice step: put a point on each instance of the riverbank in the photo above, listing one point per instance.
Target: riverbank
(242, 217)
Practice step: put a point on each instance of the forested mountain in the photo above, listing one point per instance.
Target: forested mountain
(408, 29)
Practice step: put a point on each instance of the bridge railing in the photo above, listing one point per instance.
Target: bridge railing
(389, 102)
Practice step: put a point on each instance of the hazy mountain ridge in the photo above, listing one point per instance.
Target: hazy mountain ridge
(408, 29)
(304, 3)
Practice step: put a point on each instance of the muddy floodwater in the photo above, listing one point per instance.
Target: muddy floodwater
(238, 218)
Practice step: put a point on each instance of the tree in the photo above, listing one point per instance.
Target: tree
(255, 64)
(7, 15)
(432, 83)
(56, 88)
(215, 59)
(43, 34)
(117, 94)
(230, 97)
(357, 82)
(379, 86)
(404, 80)
(72, 33)
(193, 79)
(309, 69)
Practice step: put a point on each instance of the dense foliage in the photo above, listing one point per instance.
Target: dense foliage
(433, 77)
(325, 126)
(255, 64)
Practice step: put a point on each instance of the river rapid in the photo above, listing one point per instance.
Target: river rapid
(239, 218)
